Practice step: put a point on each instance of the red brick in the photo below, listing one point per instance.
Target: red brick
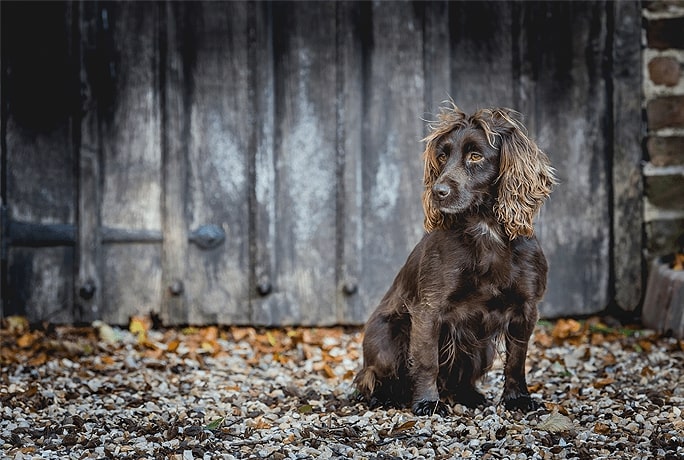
(666, 112)
(664, 71)
(665, 191)
(666, 151)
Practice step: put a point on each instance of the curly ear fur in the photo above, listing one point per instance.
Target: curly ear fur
(525, 174)
(449, 118)
(526, 177)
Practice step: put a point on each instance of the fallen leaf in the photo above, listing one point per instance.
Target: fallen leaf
(305, 409)
(556, 408)
(609, 359)
(543, 339)
(678, 263)
(215, 424)
(139, 326)
(403, 427)
(329, 372)
(534, 387)
(602, 383)
(172, 346)
(566, 329)
(38, 360)
(645, 345)
(16, 324)
(602, 428)
(556, 423)
(106, 332)
(260, 424)
(26, 340)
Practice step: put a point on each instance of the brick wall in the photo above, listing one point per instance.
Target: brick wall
(663, 90)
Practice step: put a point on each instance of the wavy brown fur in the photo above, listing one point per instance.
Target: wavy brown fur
(525, 174)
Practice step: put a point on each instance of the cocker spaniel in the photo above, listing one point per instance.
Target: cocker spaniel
(476, 276)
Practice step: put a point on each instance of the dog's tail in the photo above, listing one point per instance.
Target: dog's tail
(365, 382)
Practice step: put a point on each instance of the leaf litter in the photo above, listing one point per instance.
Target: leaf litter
(609, 391)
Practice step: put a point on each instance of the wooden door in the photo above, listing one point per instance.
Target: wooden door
(260, 163)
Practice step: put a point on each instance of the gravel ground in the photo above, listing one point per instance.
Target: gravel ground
(103, 392)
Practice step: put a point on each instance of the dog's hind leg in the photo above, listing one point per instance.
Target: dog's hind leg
(384, 380)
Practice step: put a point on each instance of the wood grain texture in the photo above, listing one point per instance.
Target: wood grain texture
(392, 215)
(88, 287)
(566, 44)
(262, 144)
(218, 279)
(40, 284)
(130, 116)
(481, 54)
(305, 168)
(627, 181)
(131, 281)
(176, 92)
(353, 30)
(127, 90)
(39, 175)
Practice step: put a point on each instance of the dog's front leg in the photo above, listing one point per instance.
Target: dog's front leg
(424, 365)
(515, 393)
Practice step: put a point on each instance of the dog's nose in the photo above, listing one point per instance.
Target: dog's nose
(441, 191)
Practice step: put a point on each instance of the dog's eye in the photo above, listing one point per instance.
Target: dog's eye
(475, 157)
(443, 155)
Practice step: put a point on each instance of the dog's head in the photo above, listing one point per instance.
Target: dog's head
(484, 160)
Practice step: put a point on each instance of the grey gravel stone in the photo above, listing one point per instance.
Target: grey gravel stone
(621, 400)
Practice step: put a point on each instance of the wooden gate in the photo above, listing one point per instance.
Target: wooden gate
(259, 163)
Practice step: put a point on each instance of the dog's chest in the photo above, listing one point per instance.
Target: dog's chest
(490, 291)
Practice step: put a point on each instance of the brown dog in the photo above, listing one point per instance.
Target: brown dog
(476, 276)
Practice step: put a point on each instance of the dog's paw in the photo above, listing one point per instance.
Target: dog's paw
(425, 407)
(522, 402)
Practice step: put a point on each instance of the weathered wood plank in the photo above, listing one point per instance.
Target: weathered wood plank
(88, 286)
(175, 31)
(126, 85)
(566, 44)
(628, 133)
(38, 90)
(392, 171)
(305, 180)
(40, 283)
(437, 57)
(481, 54)
(352, 34)
(132, 285)
(218, 279)
(130, 115)
(263, 146)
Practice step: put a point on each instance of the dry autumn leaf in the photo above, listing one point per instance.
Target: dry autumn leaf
(602, 428)
(678, 263)
(566, 329)
(403, 427)
(16, 324)
(556, 423)
(602, 383)
(27, 340)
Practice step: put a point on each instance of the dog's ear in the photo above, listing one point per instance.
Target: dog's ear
(526, 177)
(434, 218)
(449, 118)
